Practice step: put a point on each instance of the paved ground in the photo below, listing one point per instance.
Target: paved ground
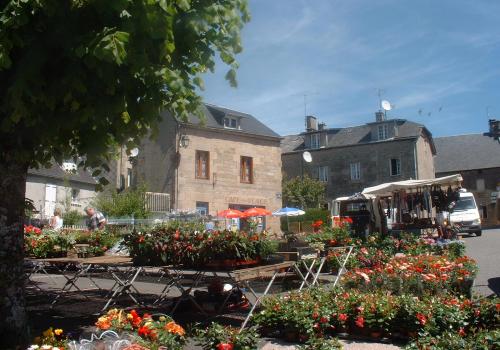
(486, 251)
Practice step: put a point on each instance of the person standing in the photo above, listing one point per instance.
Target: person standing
(56, 221)
(95, 219)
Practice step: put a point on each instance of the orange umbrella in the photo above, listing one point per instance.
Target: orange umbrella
(230, 214)
(257, 212)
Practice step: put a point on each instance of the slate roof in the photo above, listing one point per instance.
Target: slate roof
(361, 134)
(56, 172)
(466, 152)
(214, 118)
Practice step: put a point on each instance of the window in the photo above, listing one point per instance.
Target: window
(315, 141)
(480, 185)
(395, 167)
(484, 211)
(355, 171)
(230, 122)
(75, 194)
(202, 208)
(323, 173)
(383, 132)
(129, 177)
(246, 170)
(202, 165)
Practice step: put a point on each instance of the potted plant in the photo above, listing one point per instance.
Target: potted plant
(219, 337)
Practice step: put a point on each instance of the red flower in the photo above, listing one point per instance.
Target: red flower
(343, 317)
(323, 319)
(461, 332)
(144, 331)
(315, 315)
(225, 346)
(140, 239)
(360, 322)
(422, 319)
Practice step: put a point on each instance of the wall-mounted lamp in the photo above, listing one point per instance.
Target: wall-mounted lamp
(184, 141)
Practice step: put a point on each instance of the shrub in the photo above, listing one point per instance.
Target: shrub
(129, 203)
(72, 217)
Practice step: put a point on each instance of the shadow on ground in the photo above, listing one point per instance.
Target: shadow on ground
(494, 285)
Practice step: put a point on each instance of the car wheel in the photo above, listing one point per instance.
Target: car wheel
(479, 233)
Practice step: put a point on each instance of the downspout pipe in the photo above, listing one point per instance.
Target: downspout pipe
(415, 158)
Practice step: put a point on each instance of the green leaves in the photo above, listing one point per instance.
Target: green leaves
(99, 72)
(112, 46)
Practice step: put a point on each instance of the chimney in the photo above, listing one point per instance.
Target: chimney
(379, 116)
(321, 126)
(311, 123)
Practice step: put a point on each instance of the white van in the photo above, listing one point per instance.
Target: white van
(466, 214)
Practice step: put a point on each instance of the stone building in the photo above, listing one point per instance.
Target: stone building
(228, 160)
(63, 186)
(350, 159)
(477, 158)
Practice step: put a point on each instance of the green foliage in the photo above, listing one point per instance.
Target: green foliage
(322, 344)
(129, 203)
(215, 336)
(303, 193)
(72, 217)
(311, 215)
(80, 77)
(99, 241)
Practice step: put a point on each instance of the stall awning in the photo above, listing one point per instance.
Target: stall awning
(388, 188)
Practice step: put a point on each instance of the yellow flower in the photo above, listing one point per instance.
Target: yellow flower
(58, 331)
(162, 318)
(48, 333)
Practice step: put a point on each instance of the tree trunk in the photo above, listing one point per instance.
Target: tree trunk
(13, 320)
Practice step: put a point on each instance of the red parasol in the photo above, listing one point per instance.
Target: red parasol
(230, 214)
(256, 212)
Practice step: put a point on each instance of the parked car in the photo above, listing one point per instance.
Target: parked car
(465, 214)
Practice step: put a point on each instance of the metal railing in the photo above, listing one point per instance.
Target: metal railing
(157, 202)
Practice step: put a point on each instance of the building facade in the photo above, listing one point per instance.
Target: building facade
(63, 187)
(477, 158)
(228, 160)
(351, 159)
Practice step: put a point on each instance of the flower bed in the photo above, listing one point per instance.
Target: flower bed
(318, 313)
(416, 275)
(165, 245)
(48, 243)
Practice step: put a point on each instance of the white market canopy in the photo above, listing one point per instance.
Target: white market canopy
(388, 188)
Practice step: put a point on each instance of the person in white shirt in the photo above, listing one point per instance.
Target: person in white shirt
(56, 221)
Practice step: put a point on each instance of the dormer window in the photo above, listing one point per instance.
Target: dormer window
(230, 123)
(315, 142)
(383, 132)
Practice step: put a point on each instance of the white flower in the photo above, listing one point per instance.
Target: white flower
(46, 347)
(55, 348)
(33, 347)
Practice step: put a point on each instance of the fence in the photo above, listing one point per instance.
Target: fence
(158, 202)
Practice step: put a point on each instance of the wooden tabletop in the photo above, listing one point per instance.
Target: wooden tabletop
(260, 271)
(96, 260)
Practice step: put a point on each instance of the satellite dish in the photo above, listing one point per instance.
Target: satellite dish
(307, 157)
(386, 105)
(134, 152)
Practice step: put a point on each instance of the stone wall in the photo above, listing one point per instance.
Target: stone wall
(158, 159)
(425, 159)
(374, 159)
(224, 187)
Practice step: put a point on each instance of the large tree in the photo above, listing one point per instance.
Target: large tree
(78, 77)
(303, 192)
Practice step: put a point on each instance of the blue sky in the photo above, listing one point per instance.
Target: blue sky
(438, 62)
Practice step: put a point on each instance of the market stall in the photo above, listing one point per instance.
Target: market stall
(413, 205)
